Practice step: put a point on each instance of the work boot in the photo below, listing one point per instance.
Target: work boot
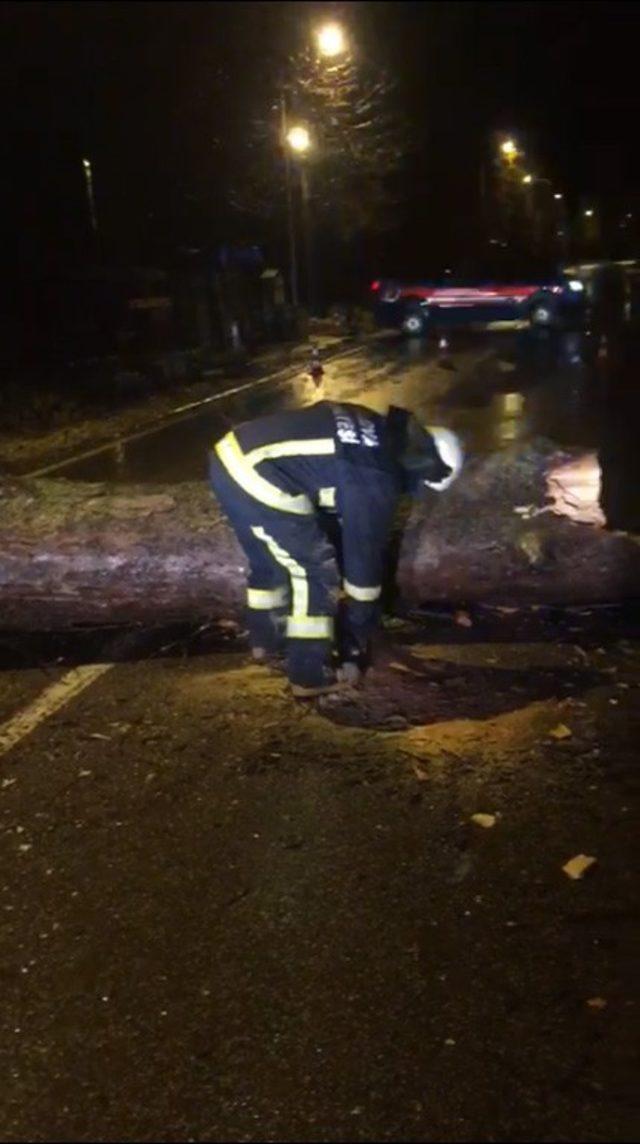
(309, 668)
(329, 683)
(263, 655)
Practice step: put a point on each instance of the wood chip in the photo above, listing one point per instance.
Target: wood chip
(577, 867)
(463, 619)
(485, 820)
(561, 732)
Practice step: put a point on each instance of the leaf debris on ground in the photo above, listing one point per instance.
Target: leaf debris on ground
(577, 866)
(561, 732)
(484, 820)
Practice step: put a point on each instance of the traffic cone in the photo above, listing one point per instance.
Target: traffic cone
(443, 353)
(316, 370)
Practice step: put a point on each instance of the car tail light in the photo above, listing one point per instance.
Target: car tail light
(375, 286)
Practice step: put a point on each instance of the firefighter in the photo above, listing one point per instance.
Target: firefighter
(276, 478)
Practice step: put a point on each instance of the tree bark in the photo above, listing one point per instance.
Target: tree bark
(74, 553)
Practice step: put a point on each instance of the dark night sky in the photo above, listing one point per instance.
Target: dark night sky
(157, 94)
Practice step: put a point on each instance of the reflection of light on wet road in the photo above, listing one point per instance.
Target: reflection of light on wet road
(573, 348)
(548, 395)
(509, 422)
(406, 373)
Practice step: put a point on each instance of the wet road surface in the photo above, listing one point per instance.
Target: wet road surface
(494, 387)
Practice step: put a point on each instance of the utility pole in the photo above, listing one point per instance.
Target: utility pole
(88, 178)
(291, 225)
(331, 43)
(308, 237)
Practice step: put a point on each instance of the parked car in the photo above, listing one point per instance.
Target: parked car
(545, 297)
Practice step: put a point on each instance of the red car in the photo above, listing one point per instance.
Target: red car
(542, 298)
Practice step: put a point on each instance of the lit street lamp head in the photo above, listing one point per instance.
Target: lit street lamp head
(588, 213)
(527, 179)
(299, 139)
(558, 195)
(331, 40)
(509, 149)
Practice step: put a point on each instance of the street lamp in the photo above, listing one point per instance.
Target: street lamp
(298, 139)
(509, 149)
(588, 213)
(529, 179)
(296, 142)
(331, 40)
(558, 196)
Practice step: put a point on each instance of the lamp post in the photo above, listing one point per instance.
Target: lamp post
(590, 227)
(554, 208)
(88, 178)
(291, 227)
(506, 156)
(331, 42)
(298, 140)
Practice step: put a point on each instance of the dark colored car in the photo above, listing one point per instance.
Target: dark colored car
(545, 297)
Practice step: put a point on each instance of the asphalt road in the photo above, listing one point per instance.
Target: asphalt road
(495, 388)
(226, 916)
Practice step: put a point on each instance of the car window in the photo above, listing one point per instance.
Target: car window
(502, 268)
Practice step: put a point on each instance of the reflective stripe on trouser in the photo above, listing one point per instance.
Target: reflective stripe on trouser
(300, 624)
(287, 554)
(264, 599)
(305, 554)
(365, 595)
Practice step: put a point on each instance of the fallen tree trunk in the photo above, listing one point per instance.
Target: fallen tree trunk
(74, 553)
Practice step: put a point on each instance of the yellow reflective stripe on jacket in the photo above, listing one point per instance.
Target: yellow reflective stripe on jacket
(327, 498)
(310, 627)
(299, 582)
(237, 466)
(364, 595)
(314, 447)
(263, 599)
